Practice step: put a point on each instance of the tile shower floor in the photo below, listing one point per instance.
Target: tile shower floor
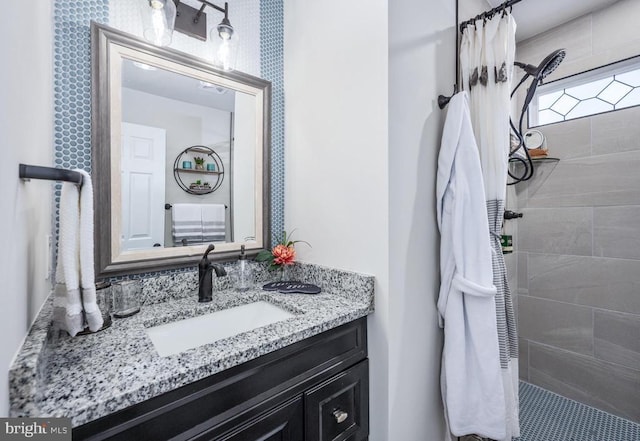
(545, 416)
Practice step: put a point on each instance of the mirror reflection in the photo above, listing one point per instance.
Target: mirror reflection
(180, 155)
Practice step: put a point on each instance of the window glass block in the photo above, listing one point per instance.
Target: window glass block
(548, 117)
(590, 89)
(631, 78)
(547, 100)
(564, 104)
(588, 94)
(589, 107)
(614, 92)
(633, 99)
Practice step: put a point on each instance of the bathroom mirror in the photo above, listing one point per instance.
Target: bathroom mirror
(180, 157)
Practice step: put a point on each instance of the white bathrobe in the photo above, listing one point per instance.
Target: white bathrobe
(471, 378)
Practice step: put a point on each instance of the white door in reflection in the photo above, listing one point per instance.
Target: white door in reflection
(143, 179)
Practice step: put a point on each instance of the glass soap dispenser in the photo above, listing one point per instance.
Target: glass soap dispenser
(243, 279)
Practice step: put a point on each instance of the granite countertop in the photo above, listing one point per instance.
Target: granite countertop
(87, 377)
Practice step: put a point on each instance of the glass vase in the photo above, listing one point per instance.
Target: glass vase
(284, 273)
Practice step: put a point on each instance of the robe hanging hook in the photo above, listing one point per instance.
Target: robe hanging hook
(444, 100)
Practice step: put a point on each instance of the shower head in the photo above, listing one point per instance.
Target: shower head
(544, 69)
(551, 63)
(539, 73)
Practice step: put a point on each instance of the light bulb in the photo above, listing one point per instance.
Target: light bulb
(225, 31)
(224, 55)
(158, 21)
(225, 40)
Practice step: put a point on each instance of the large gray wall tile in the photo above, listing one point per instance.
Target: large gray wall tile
(579, 269)
(621, 16)
(610, 387)
(557, 230)
(617, 338)
(557, 324)
(591, 281)
(523, 359)
(523, 268)
(575, 36)
(542, 170)
(571, 139)
(616, 131)
(595, 181)
(616, 231)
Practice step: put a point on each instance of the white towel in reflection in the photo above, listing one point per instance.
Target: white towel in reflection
(213, 222)
(74, 270)
(186, 224)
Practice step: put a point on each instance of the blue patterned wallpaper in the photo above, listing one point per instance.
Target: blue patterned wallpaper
(72, 84)
(272, 67)
(72, 90)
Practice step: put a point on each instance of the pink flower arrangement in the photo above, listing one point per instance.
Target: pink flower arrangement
(283, 253)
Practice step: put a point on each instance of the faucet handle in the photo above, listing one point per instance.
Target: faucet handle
(210, 248)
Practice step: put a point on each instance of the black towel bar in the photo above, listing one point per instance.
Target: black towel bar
(169, 206)
(49, 173)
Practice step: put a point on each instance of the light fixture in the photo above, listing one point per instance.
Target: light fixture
(158, 19)
(224, 38)
(192, 22)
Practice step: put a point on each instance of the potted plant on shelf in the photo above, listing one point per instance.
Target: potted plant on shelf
(199, 163)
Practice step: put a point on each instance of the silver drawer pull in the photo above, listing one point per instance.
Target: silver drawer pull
(340, 416)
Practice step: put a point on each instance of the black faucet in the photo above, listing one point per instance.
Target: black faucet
(205, 284)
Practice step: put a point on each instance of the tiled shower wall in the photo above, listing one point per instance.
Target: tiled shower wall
(578, 244)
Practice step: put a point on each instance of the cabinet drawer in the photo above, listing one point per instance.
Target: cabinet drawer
(338, 409)
(284, 423)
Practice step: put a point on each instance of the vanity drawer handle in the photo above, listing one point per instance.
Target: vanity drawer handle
(340, 416)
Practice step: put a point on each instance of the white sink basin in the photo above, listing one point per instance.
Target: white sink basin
(173, 338)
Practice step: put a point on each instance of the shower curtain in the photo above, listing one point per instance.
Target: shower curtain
(487, 52)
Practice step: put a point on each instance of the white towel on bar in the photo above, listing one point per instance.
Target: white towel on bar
(74, 270)
(213, 222)
(186, 223)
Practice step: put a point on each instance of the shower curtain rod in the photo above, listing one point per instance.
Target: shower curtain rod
(442, 99)
(489, 13)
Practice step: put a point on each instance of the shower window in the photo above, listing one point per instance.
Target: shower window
(604, 89)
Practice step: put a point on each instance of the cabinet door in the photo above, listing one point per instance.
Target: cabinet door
(338, 409)
(284, 423)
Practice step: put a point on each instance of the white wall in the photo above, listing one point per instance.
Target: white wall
(362, 137)
(421, 66)
(336, 178)
(25, 136)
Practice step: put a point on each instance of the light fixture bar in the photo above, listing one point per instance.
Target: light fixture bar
(187, 23)
(193, 22)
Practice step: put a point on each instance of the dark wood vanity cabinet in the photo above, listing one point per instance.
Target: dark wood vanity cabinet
(313, 390)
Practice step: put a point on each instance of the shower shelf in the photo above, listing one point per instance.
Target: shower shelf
(540, 160)
(542, 170)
